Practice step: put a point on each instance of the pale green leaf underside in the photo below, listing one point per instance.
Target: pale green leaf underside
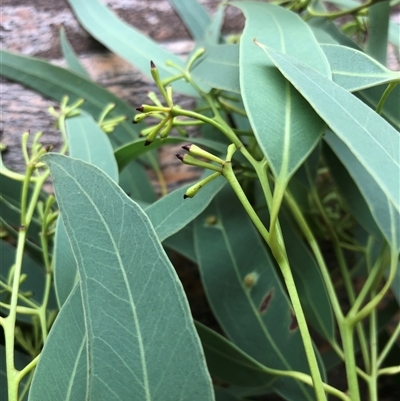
(355, 70)
(286, 127)
(373, 141)
(135, 311)
(89, 143)
(219, 68)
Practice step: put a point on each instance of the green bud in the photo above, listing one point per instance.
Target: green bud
(197, 151)
(192, 191)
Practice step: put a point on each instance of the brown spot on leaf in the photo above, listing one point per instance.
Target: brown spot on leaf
(293, 321)
(266, 300)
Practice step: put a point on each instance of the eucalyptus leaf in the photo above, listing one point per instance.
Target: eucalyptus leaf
(193, 15)
(219, 68)
(223, 394)
(89, 143)
(131, 298)
(183, 243)
(70, 56)
(229, 363)
(349, 191)
(245, 293)
(213, 31)
(127, 42)
(381, 207)
(354, 70)
(373, 142)
(378, 19)
(286, 127)
(172, 212)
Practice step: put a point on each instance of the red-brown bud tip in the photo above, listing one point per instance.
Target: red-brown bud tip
(152, 65)
(140, 109)
(187, 146)
(179, 156)
(48, 148)
(186, 196)
(147, 143)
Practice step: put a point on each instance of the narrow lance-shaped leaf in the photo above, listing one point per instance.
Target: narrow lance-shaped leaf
(354, 70)
(193, 15)
(286, 127)
(219, 68)
(136, 315)
(378, 27)
(373, 142)
(172, 212)
(381, 207)
(127, 42)
(70, 56)
(229, 363)
(245, 293)
(89, 143)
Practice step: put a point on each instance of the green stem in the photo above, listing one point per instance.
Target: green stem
(342, 13)
(384, 96)
(366, 310)
(345, 273)
(280, 257)
(346, 332)
(373, 340)
(392, 341)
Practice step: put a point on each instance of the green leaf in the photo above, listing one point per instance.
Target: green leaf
(368, 136)
(354, 70)
(257, 318)
(132, 150)
(172, 212)
(193, 15)
(136, 316)
(183, 243)
(219, 68)
(89, 143)
(349, 192)
(127, 42)
(381, 207)
(70, 56)
(378, 30)
(213, 31)
(229, 363)
(286, 127)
